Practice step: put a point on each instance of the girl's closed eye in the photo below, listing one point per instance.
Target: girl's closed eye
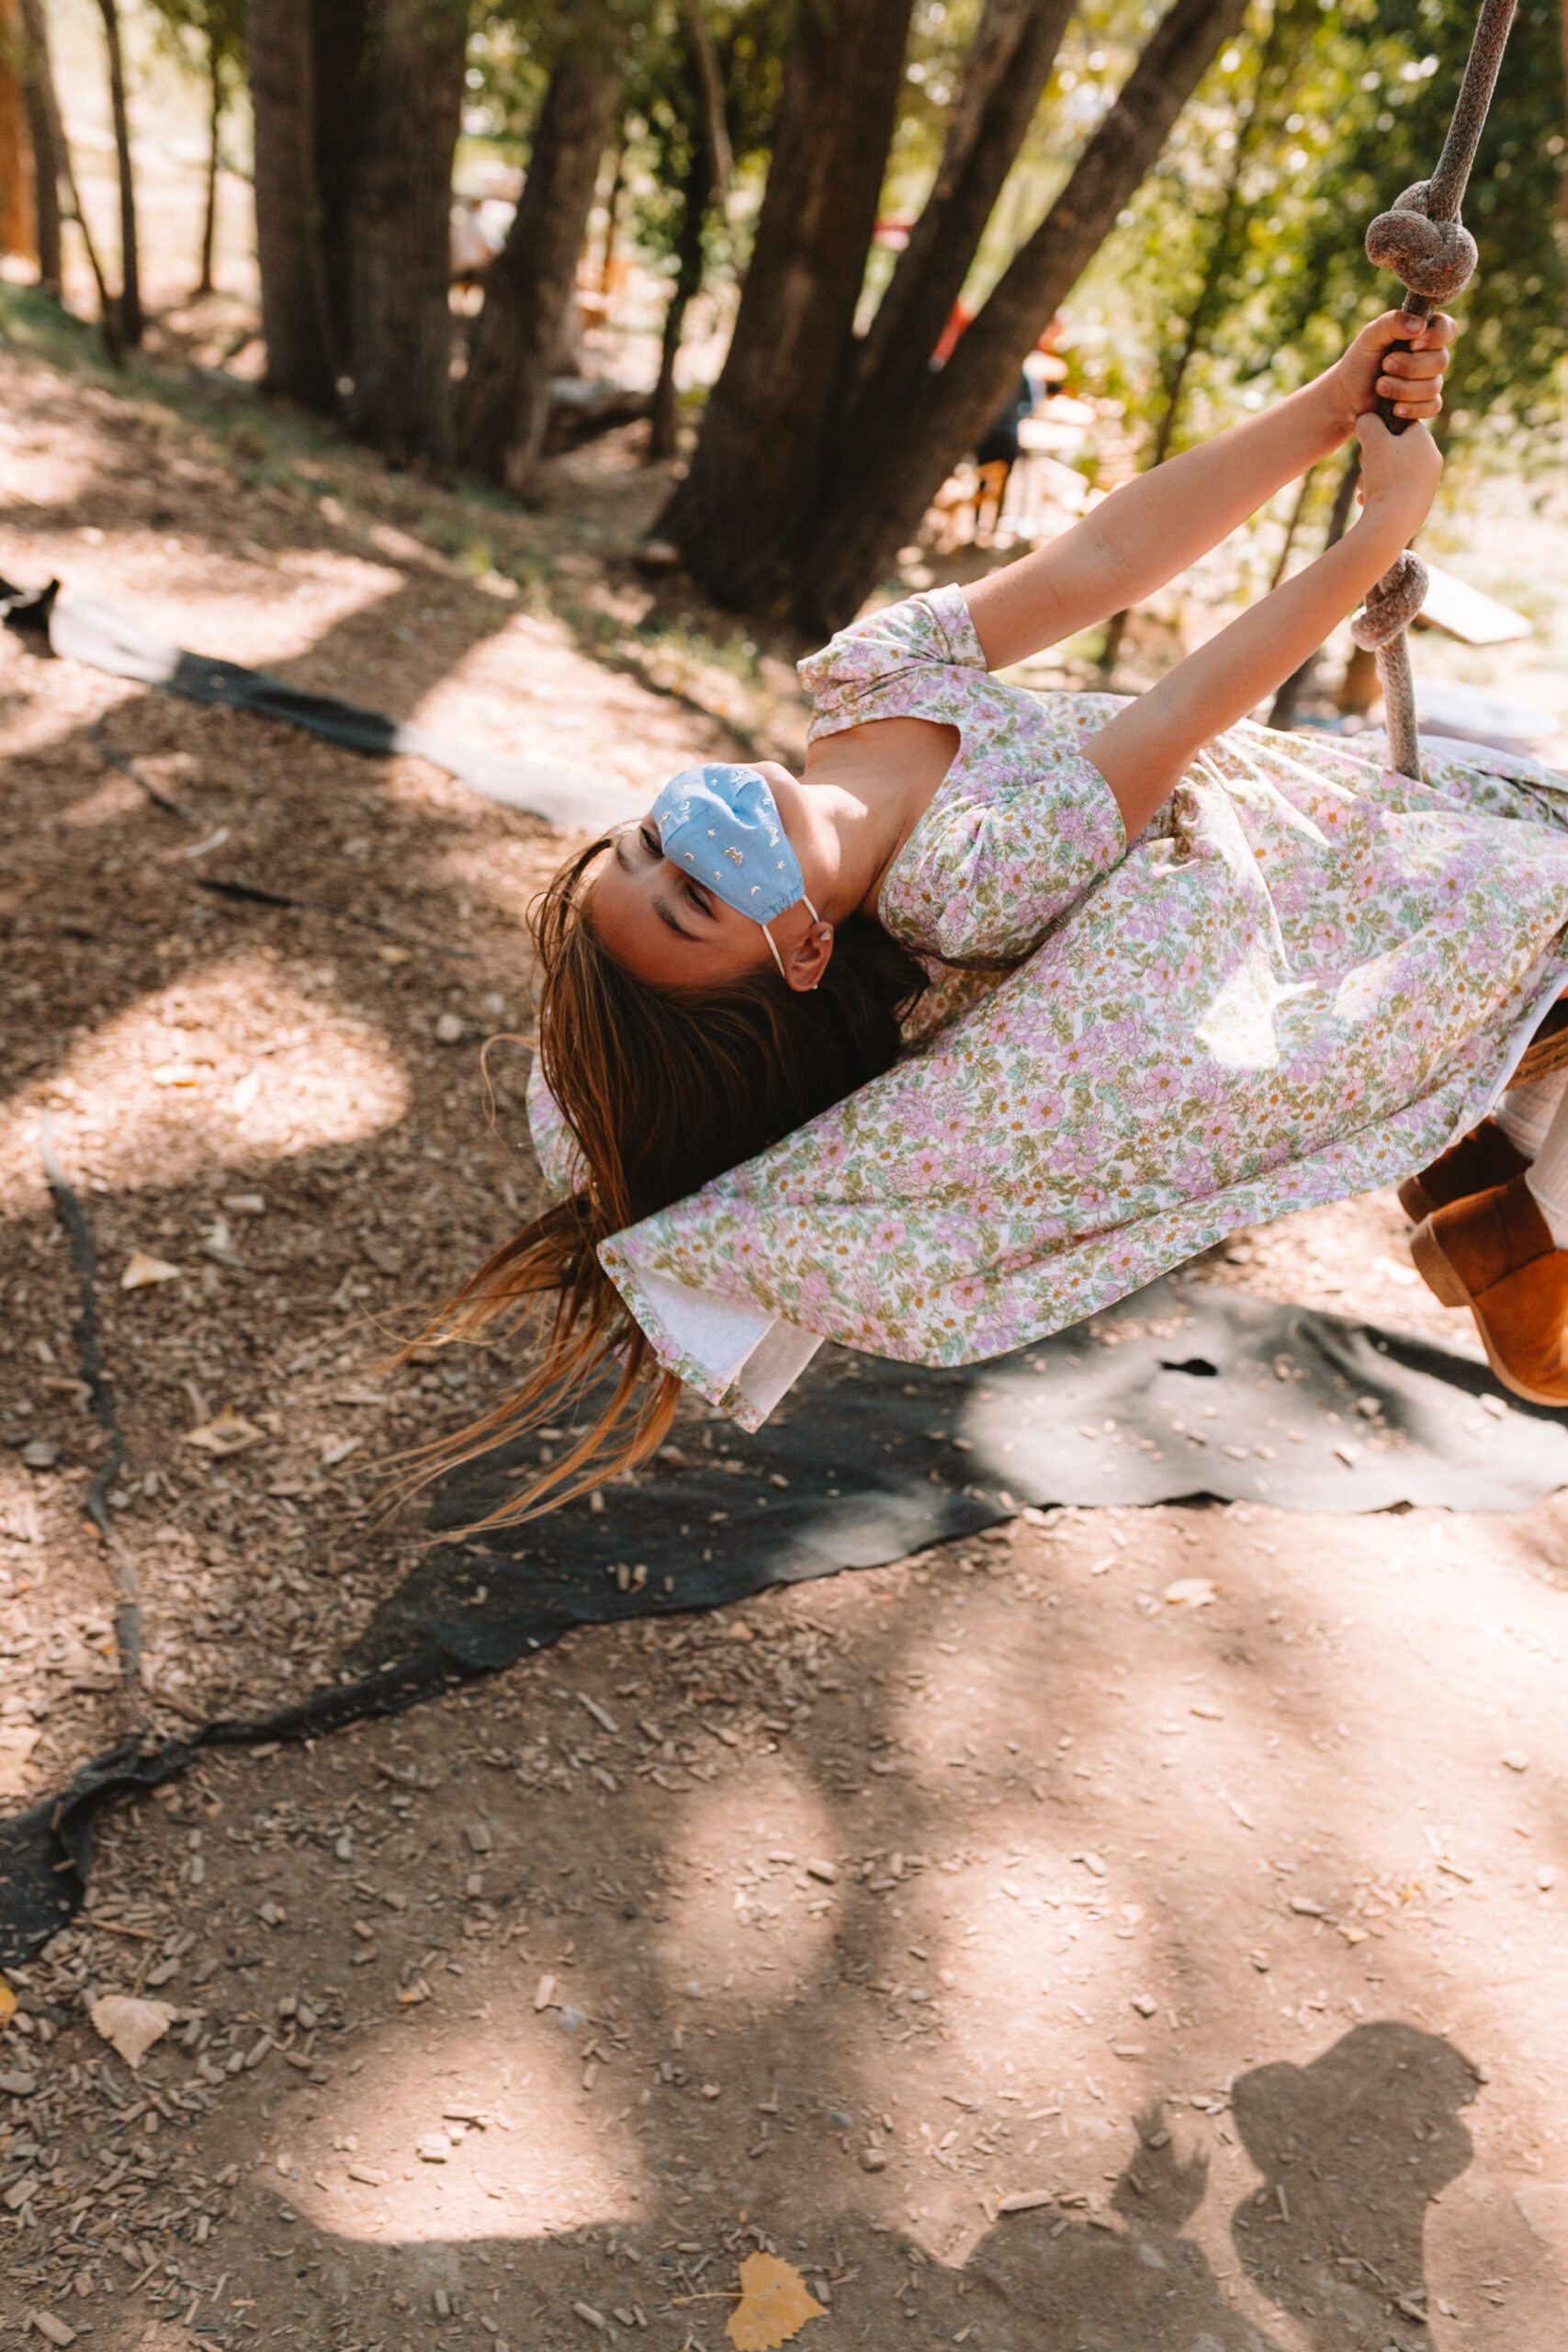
(696, 896)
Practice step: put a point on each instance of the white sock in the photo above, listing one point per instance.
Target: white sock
(1548, 1176)
(1525, 1113)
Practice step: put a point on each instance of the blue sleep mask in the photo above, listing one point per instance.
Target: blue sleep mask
(721, 823)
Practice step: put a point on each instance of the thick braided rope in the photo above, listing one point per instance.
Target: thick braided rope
(1379, 627)
(1422, 240)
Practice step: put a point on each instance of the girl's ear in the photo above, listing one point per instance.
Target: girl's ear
(811, 958)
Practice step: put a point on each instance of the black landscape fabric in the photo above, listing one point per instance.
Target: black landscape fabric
(1181, 1391)
(60, 623)
(205, 678)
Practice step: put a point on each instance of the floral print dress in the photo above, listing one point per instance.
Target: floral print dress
(1303, 980)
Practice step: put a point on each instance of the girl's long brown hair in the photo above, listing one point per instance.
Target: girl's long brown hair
(662, 1089)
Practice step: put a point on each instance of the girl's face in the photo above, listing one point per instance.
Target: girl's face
(662, 924)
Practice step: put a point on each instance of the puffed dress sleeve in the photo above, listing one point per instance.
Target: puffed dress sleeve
(1023, 824)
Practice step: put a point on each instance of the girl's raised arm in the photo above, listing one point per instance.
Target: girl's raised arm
(1145, 533)
(1143, 751)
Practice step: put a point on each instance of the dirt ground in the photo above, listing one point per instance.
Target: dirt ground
(518, 2021)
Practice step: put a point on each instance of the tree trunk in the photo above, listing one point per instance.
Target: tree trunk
(400, 307)
(340, 66)
(703, 180)
(214, 116)
(871, 516)
(1004, 75)
(738, 515)
(611, 209)
(300, 352)
(663, 439)
(49, 133)
(130, 320)
(706, 59)
(504, 400)
(48, 138)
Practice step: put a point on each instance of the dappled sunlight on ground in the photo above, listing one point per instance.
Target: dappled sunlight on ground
(232, 1064)
(760, 1928)
(490, 2133)
(642, 1956)
(109, 803)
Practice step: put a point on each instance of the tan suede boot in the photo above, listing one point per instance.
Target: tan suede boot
(1479, 1160)
(1493, 1253)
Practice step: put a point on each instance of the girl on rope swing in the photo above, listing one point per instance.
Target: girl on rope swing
(1011, 1002)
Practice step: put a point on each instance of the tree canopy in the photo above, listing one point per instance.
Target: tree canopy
(856, 184)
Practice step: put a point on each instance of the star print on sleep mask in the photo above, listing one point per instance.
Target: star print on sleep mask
(721, 824)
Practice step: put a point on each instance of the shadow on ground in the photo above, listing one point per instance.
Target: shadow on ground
(1353, 2147)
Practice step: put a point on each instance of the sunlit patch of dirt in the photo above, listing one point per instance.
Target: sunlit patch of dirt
(232, 1064)
(447, 2144)
(764, 1928)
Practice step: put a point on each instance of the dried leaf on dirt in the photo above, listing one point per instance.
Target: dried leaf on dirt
(775, 2304)
(18, 1742)
(225, 1433)
(141, 1272)
(8, 2001)
(1191, 1592)
(131, 2026)
(218, 1242)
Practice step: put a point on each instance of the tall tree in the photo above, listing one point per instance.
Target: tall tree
(215, 30)
(675, 94)
(46, 133)
(821, 450)
(399, 334)
(503, 402)
(1004, 79)
(50, 139)
(357, 105)
(767, 434)
(130, 318)
(217, 97)
(860, 524)
(301, 361)
(693, 172)
(341, 52)
(705, 57)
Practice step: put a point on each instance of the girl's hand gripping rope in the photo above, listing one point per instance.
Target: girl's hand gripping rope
(1398, 359)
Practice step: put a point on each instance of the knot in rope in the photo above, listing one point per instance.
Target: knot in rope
(1391, 605)
(1432, 258)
